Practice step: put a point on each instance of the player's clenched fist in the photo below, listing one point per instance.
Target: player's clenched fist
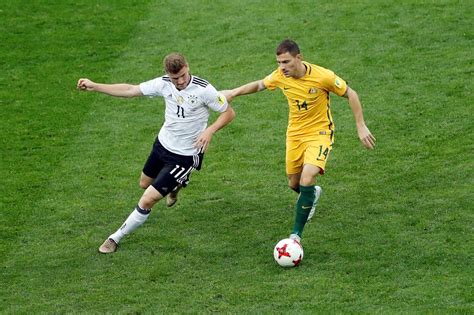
(85, 84)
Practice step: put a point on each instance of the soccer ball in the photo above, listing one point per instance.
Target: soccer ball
(288, 253)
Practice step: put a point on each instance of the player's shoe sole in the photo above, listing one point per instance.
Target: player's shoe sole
(109, 246)
(317, 193)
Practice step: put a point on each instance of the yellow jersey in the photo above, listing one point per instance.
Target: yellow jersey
(308, 99)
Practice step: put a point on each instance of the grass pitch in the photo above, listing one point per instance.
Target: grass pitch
(394, 229)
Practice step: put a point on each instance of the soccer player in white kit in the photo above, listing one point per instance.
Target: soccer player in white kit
(182, 140)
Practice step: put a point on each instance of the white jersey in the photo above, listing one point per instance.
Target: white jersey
(186, 113)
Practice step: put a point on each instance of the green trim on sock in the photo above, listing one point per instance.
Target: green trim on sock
(303, 208)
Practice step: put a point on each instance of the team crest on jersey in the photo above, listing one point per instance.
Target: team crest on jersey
(180, 100)
(313, 90)
(192, 99)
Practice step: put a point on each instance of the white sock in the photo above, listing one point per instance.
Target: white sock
(134, 220)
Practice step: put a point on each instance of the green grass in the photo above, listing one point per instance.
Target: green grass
(394, 229)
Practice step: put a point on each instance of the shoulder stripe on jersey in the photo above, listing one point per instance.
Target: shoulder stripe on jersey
(166, 78)
(200, 82)
(199, 79)
(310, 68)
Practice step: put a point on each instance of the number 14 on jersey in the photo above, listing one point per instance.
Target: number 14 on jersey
(300, 106)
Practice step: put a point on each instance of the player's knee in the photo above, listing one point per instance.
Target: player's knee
(146, 204)
(308, 178)
(308, 181)
(144, 183)
(148, 201)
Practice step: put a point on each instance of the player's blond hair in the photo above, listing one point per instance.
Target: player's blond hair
(174, 62)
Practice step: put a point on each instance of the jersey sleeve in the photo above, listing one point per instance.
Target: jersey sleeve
(153, 87)
(270, 81)
(215, 100)
(334, 83)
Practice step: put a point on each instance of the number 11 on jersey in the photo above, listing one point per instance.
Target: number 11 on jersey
(180, 112)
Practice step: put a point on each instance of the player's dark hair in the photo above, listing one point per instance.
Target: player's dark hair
(173, 63)
(288, 46)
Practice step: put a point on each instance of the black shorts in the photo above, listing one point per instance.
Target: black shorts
(169, 169)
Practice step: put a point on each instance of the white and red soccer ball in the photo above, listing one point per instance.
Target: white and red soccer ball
(288, 253)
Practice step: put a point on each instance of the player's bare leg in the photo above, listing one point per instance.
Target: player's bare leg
(294, 182)
(145, 181)
(149, 198)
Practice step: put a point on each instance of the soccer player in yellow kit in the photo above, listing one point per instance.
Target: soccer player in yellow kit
(310, 132)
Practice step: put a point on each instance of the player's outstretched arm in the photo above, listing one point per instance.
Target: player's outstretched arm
(365, 136)
(119, 90)
(248, 88)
